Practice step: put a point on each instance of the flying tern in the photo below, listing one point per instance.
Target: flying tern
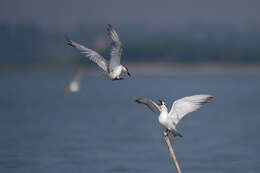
(113, 68)
(180, 108)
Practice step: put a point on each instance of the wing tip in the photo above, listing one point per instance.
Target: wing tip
(141, 100)
(109, 28)
(209, 97)
(138, 100)
(69, 41)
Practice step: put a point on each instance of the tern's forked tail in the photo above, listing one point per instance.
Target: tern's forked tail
(176, 133)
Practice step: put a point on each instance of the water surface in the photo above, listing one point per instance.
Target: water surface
(102, 129)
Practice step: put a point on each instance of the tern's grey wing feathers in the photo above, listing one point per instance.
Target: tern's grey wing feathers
(150, 104)
(183, 106)
(116, 49)
(92, 55)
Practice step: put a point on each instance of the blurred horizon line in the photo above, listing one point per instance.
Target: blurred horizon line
(29, 43)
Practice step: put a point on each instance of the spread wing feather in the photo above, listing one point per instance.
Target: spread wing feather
(92, 55)
(183, 106)
(150, 104)
(116, 50)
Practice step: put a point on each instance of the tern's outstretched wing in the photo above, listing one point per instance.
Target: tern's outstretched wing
(116, 49)
(92, 55)
(183, 106)
(150, 104)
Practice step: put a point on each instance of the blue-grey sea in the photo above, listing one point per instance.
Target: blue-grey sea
(101, 129)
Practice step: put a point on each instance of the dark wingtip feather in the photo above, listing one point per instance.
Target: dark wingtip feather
(141, 100)
(69, 42)
(138, 100)
(176, 133)
(207, 99)
(109, 29)
(210, 97)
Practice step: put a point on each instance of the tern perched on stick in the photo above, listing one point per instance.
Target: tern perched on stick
(112, 69)
(179, 109)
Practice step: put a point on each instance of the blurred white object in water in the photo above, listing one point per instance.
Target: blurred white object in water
(113, 69)
(179, 109)
(74, 85)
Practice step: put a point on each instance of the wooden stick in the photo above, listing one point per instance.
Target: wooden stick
(167, 140)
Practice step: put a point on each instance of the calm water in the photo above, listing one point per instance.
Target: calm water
(102, 129)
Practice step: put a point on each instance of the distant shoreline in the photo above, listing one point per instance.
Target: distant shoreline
(141, 68)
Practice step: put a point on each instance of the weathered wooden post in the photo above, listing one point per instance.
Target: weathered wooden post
(167, 140)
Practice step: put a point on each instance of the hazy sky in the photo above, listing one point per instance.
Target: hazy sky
(156, 13)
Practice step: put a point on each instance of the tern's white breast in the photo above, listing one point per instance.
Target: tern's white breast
(163, 119)
(116, 71)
